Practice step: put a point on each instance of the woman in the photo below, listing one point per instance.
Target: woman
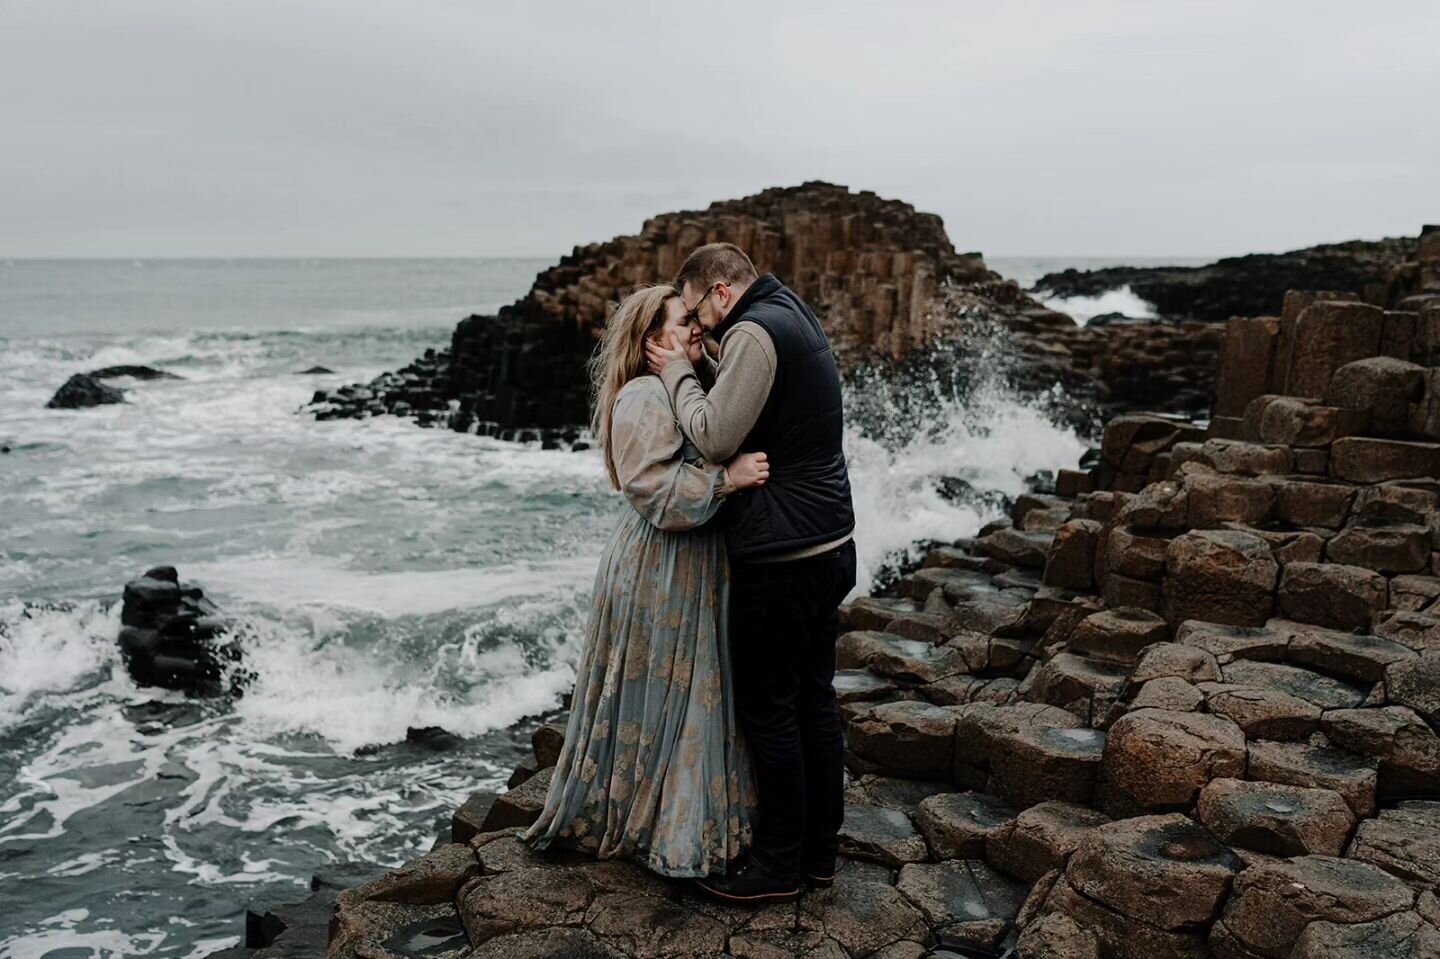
(653, 766)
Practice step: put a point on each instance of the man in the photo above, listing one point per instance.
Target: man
(776, 391)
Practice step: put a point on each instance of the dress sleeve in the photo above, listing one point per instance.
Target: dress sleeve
(646, 445)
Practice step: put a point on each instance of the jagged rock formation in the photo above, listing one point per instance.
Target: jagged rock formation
(86, 389)
(81, 391)
(1246, 285)
(172, 636)
(1185, 705)
(873, 269)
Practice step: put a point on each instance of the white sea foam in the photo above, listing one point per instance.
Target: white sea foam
(1084, 308)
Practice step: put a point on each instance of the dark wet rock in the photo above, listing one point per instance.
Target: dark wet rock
(433, 739)
(546, 743)
(1361, 658)
(81, 391)
(1248, 285)
(901, 794)
(1121, 936)
(520, 806)
(1276, 819)
(1159, 760)
(316, 370)
(984, 729)
(1238, 642)
(1273, 903)
(134, 372)
(172, 636)
(957, 825)
(878, 834)
(1331, 594)
(468, 821)
(1404, 841)
(1041, 838)
(1416, 683)
(1322, 691)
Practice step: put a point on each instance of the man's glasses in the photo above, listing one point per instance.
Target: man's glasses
(692, 315)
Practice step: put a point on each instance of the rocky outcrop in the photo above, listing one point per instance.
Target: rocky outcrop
(1183, 706)
(1246, 285)
(172, 636)
(82, 391)
(884, 279)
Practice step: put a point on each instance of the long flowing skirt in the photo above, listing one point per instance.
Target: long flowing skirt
(654, 767)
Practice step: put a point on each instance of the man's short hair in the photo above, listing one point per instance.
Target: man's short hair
(716, 263)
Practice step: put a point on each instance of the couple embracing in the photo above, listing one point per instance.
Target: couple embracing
(704, 740)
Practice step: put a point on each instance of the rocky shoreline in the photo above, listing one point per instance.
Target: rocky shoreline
(1183, 705)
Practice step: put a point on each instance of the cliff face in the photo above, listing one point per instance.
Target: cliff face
(873, 269)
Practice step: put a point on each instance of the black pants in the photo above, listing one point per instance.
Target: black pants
(783, 626)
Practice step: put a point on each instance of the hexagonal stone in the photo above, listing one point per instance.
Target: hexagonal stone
(963, 899)
(1416, 683)
(1178, 660)
(520, 806)
(956, 825)
(1222, 576)
(1404, 935)
(1330, 594)
(1300, 764)
(1027, 548)
(1404, 841)
(1367, 460)
(1262, 712)
(1039, 763)
(1156, 759)
(1135, 555)
(1407, 748)
(1238, 642)
(1166, 871)
(1414, 593)
(1277, 819)
(895, 657)
(1272, 903)
(902, 794)
(912, 739)
(1084, 686)
(1057, 936)
(653, 927)
(1386, 549)
(1121, 936)
(983, 728)
(877, 834)
(1118, 635)
(1307, 503)
(1323, 691)
(874, 612)
(467, 821)
(1215, 499)
(523, 899)
(861, 685)
(1041, 838)
(1417, 631)
(862, 912)
(1168, 692)
(1071, 562)
(1359, 657)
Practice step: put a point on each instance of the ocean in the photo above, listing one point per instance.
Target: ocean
(384, 577)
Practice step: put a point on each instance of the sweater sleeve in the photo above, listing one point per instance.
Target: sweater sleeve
(718, 422)
(648, 453)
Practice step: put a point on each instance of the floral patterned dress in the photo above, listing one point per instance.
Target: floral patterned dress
(654, 767)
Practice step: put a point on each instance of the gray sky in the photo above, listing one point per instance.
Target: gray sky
(360, 127)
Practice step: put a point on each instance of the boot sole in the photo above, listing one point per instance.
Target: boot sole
(790, 896)
(819, 882)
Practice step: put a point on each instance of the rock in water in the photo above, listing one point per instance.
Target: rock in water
(171, 636)
(136, 372)
(82, 391)
(317, 370)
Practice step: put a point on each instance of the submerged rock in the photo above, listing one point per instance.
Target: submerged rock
(134, 372)
(172, 636)
(82, 391)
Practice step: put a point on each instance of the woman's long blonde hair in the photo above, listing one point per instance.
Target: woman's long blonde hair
(620, 358)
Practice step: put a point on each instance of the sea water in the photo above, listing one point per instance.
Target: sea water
(383, 577)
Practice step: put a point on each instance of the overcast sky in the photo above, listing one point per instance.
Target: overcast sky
(361, 127)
